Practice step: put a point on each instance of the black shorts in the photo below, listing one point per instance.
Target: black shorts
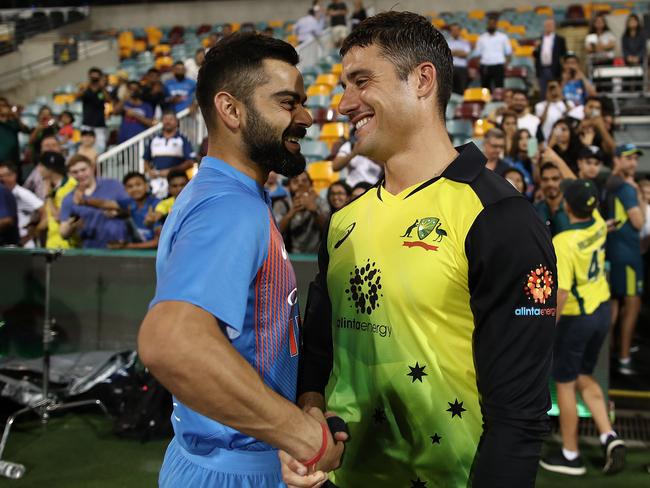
(578, 339)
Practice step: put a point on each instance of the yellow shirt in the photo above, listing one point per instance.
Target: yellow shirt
(54, 239)
(165, 206)
(580, 251)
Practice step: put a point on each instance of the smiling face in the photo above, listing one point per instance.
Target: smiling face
(550, 183)
(136, 187)
(276, 119)
(589, 168)
(337, 196)
(380, 105)
(83, 173)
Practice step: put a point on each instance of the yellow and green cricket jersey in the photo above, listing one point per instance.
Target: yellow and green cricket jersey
(164, 207)
(431, 321)
(54, 239)
(580, 251)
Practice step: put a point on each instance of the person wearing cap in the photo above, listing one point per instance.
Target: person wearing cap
(583, 314)
(590, 164)
(58, 184)
(624, 203)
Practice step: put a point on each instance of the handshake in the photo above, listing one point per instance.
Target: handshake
(313, 472)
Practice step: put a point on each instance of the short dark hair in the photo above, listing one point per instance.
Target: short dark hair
(407, 39)
(177, 173)
(364, 185)
(593, 98)
(88, 132)
(131, 175)
(95, 69)
(10, 165)
(153, 70)
(69, 114)
(179, 63)
(547, 166)
(519, 91)
(235, 65)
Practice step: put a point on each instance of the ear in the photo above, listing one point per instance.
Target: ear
(426, 78)
(228, 109)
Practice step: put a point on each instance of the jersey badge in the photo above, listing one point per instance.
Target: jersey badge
(427, 230)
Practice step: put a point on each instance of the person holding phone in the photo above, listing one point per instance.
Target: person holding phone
(93, 96)
(553, 108)
(576, 87)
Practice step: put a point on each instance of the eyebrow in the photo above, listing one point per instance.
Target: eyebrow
(290, 93)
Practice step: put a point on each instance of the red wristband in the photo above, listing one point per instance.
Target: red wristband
(322, 449)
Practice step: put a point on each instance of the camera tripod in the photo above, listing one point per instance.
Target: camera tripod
(49, 402)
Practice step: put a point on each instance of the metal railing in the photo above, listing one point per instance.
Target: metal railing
(128, 156)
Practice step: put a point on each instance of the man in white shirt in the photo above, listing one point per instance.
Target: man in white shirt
(360, 168)
(307, 27)
(525, 120)
(460, 50)
(29, 206)
(495, 51)
(192, 65)
(549, 51)
(553, 108)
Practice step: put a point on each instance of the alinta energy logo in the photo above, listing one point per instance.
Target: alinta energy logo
(365, 287)
(538, 287)
(426, 227)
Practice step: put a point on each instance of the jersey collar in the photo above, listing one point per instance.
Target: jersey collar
(228, 170)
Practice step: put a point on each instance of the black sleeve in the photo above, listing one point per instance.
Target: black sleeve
(512, 350)
(316, 354)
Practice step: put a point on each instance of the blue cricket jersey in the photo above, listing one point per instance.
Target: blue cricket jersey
(221, 250)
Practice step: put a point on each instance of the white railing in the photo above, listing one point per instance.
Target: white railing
(129, 156)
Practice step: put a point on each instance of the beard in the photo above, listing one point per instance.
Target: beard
(269, 151)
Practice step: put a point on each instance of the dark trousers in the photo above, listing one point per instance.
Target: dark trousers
(461, 78)
(545, 75)
(492, 76)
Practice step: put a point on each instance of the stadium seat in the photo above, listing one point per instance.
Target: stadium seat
(321, 115)
(481, 126)
(322, 175)
(313, 132)
(318, 89)
(469, 110)
(481, 95)
(162, 50)
(139, 45)
(333, 131)
(517, 29)
(328, 79)
(517, 72)
(336, 99)
(491, 107)
(460, 128)
(337, 69)
(314, 150)
(164, 63)
(524, 51)
(292, 39)
(515, 84)
(438, 23)
(476, 14)
(547, 11)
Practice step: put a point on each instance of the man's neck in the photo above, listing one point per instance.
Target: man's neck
(425, 155)
(90, 189)
(56, 179)
(232, 154)
(554, 203)
(168, 133)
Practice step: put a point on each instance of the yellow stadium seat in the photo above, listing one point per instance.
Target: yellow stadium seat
(477, 95)
(140, 45)
(154, 35)
(621, 11)
(318, 89)
(276, 24)
(163, 63)
(60, 99)
(322, 174)
(327, 79)
(205, 42)
(235, 26)
(524, 51)
(601, 7)
(503, 24)
(517, 29)
(514, 43)
(336, 99)
(438, 23)
(476, 14)
(481, 126)
(292, 39)
(125, 39)
(524, 8)
(547, 11)
(337, 69)
(469, 37)
(162, 50)
(333, 131)
(76, 136)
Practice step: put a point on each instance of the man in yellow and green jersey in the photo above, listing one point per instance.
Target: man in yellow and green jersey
(53, 170)
(429, 328)
(585, 311)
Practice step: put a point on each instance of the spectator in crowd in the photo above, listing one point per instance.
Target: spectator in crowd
(359, 189)
(494, 49)
(66, 129)
(226, 30)
(137, 115)
(303, 223)
(35, 182)
(268, 32)
(192, 65)
(136, 210)
(278, 194)
(179, 90)
(509, 126)
(45, 126)
(592, 129)
(549, 51)
(633, 42)
(359, 14)
(94, 96)
(522, 156)
(29, 206)
(10, 127)
(551, 208)
(176, 181)
(307, 27)
(625, 204)
(575, 85)
(553, 108)
(583, 313)
(168, 151)
(87, 146)
(120, 91)
(337, 13)
(58, 185)
(8, 218)
(153, 91)
(525, 120)
(494, 144)
(600, 43)
(460, 50)
(360, 168)
(590, 164)
(564, 142)
(94, 228)
(338, 195)
(516, 178)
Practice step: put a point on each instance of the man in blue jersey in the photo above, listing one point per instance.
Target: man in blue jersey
(180, 89)
(222, 333)
(624, 203)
